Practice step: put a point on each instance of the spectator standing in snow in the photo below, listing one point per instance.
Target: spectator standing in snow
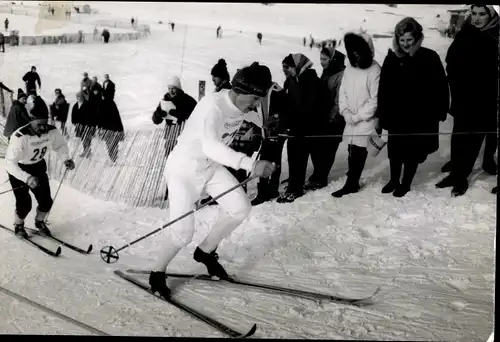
(175, 108)
(259, 38)
(2, 42)
(323, 151)
(410, 70)
(219, 32)
(59, 109)
(109, 119)
(357, 104)
(95, 89)
(18, 115)
(85, 119)
(105, 36)
(172, 26)
(272, 148)
(306, 107)
(85, 86)
(220, 76)
(472, 68)
(31, 78)
(6, 24)
(132, 21)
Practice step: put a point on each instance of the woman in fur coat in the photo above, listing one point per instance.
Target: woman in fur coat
(357, 104)
(410, 71)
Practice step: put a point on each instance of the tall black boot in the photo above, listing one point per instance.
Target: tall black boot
(356, 161)
(395, 166)
(410, 169)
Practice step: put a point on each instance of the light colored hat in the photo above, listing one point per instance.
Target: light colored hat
(175, 82)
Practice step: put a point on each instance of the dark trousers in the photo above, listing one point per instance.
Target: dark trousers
(2, 46)
(323, 152)
(410, 169)
(41, 192)
(356, 161)
(31, 91)
(88, 135)
(272, 151)
(298, 150)
(465, 148)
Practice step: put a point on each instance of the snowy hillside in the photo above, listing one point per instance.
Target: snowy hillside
(432, 255)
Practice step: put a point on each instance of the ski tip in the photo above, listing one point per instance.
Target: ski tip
(58, 251)
(251, 332)
(89, 249)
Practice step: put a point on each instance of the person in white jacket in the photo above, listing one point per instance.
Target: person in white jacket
(26, 166)
(197, 163)
(357, 104)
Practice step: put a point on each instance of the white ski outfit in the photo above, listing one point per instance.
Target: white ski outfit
(197, 163)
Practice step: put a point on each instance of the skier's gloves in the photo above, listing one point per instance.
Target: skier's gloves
(263, 169)
(32, 182)
(70, 164)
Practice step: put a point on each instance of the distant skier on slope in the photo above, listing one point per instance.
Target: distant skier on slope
(197, 163)
(26, 166)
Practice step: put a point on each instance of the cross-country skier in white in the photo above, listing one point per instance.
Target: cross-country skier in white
(26, 166)
(196, 164)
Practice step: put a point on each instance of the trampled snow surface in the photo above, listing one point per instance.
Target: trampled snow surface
(432, 255)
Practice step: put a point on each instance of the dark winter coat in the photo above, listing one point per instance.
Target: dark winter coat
(307, 102)
(85, 88)
(184, 107)
(108, 90)
(109, 116)
(31, 79)
(413, 97)
(472, 68)
(83, 116)
(96, 87)
(59, 109)
(2, 38)
(18, 117)
(332, 76)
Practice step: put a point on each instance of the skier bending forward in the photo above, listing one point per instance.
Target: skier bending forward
(197, 163)
(26, 166)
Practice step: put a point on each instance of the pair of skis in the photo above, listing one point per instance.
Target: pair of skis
(315, 296)
(55, 253)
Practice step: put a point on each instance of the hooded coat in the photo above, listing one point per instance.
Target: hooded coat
(413, 97)
(358, 93)
(472, 68)
(307, 100)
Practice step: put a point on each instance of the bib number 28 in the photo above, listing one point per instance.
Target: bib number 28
(39, 154)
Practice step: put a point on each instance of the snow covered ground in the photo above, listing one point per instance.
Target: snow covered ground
(433, 255)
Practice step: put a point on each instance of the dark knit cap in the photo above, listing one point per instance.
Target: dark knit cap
(21, 94)
(220, 70)
(39, 110)
(289, 61)
(254, 79)
(327, 52)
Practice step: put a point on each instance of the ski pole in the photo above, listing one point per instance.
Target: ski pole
(110, 254)
(6, 191)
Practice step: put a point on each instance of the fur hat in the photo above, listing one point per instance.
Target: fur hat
(21, 94)
(220, 70)
(254, 79)
(175, 82)
(37, 108)
(363, 45)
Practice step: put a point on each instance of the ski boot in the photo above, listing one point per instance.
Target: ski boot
(20, 231)
(210, 261)
(42, 227)
(158, 283)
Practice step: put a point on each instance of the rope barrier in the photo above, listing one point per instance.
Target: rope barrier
(287, 136)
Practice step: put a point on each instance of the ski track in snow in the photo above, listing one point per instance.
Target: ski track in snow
(431, 254)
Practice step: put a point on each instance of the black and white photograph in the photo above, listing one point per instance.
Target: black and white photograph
(249, 170)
